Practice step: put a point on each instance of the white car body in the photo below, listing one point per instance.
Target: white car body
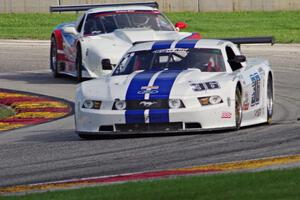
(252, 79)
(70, 38)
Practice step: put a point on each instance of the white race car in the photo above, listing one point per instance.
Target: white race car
(94, 44)
(177, 86)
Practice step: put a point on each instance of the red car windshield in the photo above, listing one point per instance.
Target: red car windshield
(107, 22)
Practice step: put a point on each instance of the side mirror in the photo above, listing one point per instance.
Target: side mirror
(106, 65)
(70, 30)
(238, 59)
(180, 25)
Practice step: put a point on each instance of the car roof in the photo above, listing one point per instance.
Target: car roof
(120, 8)
(166, 44)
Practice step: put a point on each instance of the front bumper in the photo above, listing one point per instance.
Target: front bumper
(180, 120)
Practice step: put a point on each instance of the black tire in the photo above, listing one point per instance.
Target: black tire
(270, 105)
(79, 65)
(238, 109)
(53, 58)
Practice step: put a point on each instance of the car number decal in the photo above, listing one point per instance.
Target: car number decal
(197, 87)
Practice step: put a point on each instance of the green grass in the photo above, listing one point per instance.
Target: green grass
(31, 26)
(268, 185)
(5, 112)
(285, 26)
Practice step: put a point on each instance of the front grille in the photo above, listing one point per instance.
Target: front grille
(153, 127)
(147, 104)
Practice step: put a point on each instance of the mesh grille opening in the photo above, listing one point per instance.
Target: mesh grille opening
(192, 125)
(153, 127)
(106, 128)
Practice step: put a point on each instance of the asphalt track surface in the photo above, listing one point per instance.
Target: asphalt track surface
(52, 151)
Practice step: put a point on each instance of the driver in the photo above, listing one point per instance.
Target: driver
(212, 65)
(141, 21)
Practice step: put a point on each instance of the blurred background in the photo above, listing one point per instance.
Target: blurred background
(34, 6)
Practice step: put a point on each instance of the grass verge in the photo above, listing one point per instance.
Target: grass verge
(267, 185)
(285, 26)
(5, 112)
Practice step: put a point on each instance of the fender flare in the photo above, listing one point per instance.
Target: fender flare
(59, 39)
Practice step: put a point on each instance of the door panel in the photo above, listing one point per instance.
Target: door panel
(253, 93)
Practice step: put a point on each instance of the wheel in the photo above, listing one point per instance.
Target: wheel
(53, 58)
(238, 109)
(79, 65)
(269, 100)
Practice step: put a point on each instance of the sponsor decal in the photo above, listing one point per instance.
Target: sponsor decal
(245, 106)
(246, 102)
(150, 87)
(170, 50)
(257, 112)
(255, 99)
(149, 90)
(197, 87)
(226, 115)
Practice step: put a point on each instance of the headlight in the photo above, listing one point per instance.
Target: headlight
(212, 100)
(215, 100)
(90, 104)
(175, 103)
(120, 105)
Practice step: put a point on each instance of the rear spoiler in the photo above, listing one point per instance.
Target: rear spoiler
(84, 7)
(251, 40)
(237, 41)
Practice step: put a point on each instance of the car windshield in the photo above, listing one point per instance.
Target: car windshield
(107, 22)
(205, 60)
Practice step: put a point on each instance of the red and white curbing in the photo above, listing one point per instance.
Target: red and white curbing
(205, 169)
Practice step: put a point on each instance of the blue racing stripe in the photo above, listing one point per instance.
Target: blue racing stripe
(186, 44)
(162, 45)
(165, 82)
(159, 116)
(133, 93)
(134, 116)
(138, 81)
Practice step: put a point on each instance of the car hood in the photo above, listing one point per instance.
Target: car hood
(136, 35)
(126, 37)
(169, 84)
(118, 42)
